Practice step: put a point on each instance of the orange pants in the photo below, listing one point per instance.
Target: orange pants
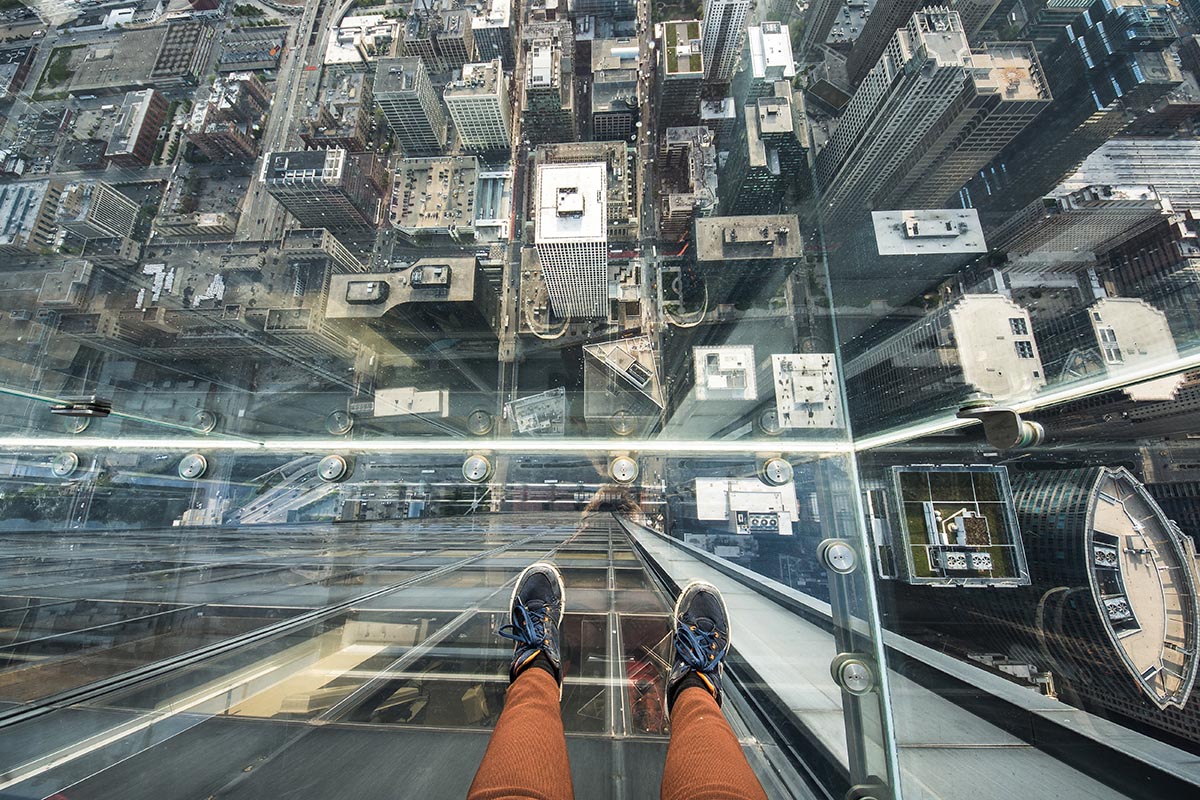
(527, 755)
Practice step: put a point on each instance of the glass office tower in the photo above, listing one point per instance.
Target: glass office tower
(267, 481)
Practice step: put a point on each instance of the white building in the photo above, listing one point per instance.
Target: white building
(724, 28)
(479, 106)
(770, 57)
(571, 235)
(748, 505)
(725, 373)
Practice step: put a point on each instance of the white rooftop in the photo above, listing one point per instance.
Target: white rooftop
(770, 51)
(367, 30)
(936, 231)
(571, 203)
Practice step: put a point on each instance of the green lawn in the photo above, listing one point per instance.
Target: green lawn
(58, 72)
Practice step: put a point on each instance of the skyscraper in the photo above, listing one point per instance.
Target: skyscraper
(493, 32)
(688, 166)
(770, 59)
(410, 105)
(135, 132)
(1118, 599)
(614, 88)
(680, 75)
(818, 22)
(95, 210)
(479, 106)
(979, 343)
(973, 13)
(928, 116)
(769, 162)
(887, 17)
(1112, 336)
(442, 37)
(549, 100)
(1109, 66)
(1092, 219)
(326, 188)
(724, 32)
(570, 232)
(745, 259)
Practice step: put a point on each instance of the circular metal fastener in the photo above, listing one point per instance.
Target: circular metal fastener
(477, 468)
(623, 469)
(868, 791)
(205, 421)
(838, 555)
(776, 472)
(768, 422)
(78, 424)
(64, 465)
(480, 422)
(853, 674)
(333, 469)
(339, 423)
(621, 423)
(193, 466)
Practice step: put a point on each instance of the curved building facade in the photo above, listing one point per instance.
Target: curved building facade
(1116, 604)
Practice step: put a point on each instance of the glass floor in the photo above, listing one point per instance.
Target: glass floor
(356, 661)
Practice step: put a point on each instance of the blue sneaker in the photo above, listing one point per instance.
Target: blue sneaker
(536, 611)
(701, 641)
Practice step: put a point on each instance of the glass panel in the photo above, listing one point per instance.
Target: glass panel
(320, 322)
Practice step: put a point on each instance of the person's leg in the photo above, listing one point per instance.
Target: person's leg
(704, 760)
(527, 754)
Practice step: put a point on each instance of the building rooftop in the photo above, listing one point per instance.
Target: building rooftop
(719, 110)
(770, 51)
(124, 62)
(774, 115)
(544, 64)
(748, 237)
(482, 78)
(361, 38)
(1011, 69)
(444, 279)
(942, 35)
(939, 231)
(434, 194)
(177, 55)
(130, 117)
(19, 206)
(1139, 581)
(725, 373)
(615, 55)
(682, 48)
(397, 74)
(571, 203)
(495, 14)
(293, 165)
(959, 527)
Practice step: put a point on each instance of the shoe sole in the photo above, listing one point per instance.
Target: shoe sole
(562, 597)
(697, 584)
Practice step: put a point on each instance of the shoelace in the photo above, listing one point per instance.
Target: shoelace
(528, 625)
(695, 646)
